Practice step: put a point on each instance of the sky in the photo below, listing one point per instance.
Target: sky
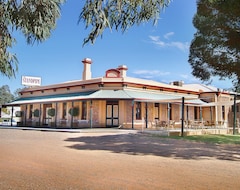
(151, 52)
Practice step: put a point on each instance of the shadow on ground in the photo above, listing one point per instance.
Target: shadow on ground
(144, 144)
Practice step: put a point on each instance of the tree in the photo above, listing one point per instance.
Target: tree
(215, 49)
(16, 93)
(118, 14)
(5, 95)
(34, 18)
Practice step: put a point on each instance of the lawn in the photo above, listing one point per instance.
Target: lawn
(215, 139)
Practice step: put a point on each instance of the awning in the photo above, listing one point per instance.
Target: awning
(142, 96)
(136, 95)
(227, 103)
(146, 96)
(52, 98)
(193, 102)
(110, 94)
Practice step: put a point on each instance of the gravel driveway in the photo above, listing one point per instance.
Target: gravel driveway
(112, 160)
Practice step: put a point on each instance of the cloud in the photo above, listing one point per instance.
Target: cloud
(149, 74)
(189, 78)
(167, 35)
(183, 46)
(165, 77)
(154, 38)
(180, 45)
(184, 76)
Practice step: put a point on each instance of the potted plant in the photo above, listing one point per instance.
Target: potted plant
(51, 113)
(36, 113)
(73, 112)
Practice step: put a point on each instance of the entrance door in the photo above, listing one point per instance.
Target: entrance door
(112, 114)
(46, 117)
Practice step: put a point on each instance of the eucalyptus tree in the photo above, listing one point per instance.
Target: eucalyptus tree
(5, 95)
(34, 18)
(37, 18)
(118, 14)
(215, 49)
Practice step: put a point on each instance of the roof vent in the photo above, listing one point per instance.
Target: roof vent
(178, 83)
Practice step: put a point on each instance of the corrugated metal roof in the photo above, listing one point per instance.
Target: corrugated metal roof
(193, 102)
(227, 103)
(52, 98)
(200, 87)
(137, 95)
(110, 94)
(153, 96)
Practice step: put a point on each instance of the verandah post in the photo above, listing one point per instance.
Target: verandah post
(182, 131)
(146, 112)
(132, 114)
(25, 115)
(56, 115)
(40, 114)
(90, 113)
(12, 116)
(72, 115)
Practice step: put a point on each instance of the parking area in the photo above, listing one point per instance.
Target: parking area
(113, 159)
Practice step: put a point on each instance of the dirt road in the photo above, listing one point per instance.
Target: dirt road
(54, 160)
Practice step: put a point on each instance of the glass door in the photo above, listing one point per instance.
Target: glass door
(46, 117)
(112, 114)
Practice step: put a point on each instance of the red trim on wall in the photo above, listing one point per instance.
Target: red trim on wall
(113, 73)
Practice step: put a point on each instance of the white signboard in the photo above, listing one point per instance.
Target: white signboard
(31, 81)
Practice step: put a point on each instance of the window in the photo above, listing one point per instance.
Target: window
(138, 110)
(64, 111)
(84, 110)
(223, 112)
(156, 111)
(170, 111)
(195, 113)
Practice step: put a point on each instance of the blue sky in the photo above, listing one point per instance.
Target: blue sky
(152, 52)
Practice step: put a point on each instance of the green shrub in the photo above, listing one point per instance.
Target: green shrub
(74, 111)
(51, 112)
(36, 113)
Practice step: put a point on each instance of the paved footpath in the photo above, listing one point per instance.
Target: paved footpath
(69, 130)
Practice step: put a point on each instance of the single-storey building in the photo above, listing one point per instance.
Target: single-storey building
(116, 100)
